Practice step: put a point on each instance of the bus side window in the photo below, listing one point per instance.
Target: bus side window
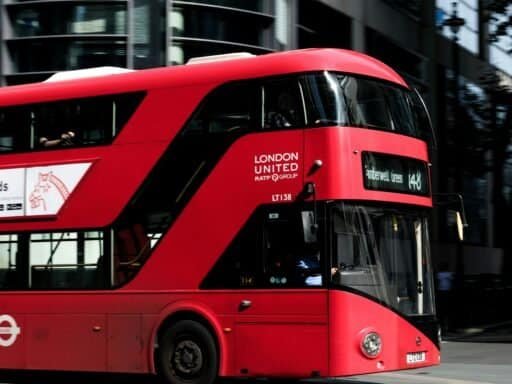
(88, 121)
(131, 248)
(55, 124)
(65, 260)
(371, 108)
(282, 105)
(8, 253)
(15, 129)
(231, 108)
(269, 252)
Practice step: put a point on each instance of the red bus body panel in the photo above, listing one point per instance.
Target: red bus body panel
(350, 316)
(341, 175)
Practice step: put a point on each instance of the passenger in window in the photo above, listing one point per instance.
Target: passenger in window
(132, 247)
(283, 114)
(65, 140)
(308, 268)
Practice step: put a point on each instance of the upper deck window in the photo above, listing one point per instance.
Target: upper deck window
(337, 99)
(92, 121)
(282, 104)
(233, 108)
(249, 106)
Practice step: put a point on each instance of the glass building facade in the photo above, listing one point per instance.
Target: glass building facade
(218, 27)
(41, 37)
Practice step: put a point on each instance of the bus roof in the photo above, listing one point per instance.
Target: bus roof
(217, 72)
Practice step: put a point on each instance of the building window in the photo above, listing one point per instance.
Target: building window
(412, 7)
(63, 54)
(407, 62)
(215, 28)
(149, 33)
(315, 29)
(253, 5)
(73, 19)
(215, 24)
(468, 10)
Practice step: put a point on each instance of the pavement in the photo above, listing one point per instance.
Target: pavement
(490, 333)
(473, 355)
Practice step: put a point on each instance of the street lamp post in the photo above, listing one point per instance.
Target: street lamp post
(454, 22)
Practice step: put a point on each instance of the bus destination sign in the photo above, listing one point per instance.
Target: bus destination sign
(395, 174)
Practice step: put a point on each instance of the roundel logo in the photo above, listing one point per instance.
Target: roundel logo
(9, 330)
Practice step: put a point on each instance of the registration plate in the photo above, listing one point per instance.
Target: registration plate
(416, 357)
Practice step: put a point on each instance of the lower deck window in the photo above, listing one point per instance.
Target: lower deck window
(95, 259)
(66, 260)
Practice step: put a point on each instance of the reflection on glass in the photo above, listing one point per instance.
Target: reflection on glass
(384, 254)
(336, 99)
(252, 5)
(65, 55)
(149, 37)
(73, 19)
(206, 23)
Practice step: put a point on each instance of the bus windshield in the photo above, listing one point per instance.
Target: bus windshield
(385, 254)
(338, 99)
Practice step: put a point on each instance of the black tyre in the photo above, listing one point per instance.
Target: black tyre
(187, 354)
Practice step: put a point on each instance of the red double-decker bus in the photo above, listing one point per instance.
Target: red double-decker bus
(251, 216)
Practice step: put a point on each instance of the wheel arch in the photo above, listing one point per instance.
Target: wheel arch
(190, 311)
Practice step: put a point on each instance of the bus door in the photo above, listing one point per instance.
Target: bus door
(284, 317)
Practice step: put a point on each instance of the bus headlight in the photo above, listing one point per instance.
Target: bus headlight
(371, 344)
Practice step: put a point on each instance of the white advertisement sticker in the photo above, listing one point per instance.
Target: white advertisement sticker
(12, 188)
(47, 188)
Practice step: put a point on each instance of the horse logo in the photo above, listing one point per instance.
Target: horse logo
(47, 189)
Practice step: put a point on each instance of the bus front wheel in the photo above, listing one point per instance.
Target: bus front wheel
(187, 354)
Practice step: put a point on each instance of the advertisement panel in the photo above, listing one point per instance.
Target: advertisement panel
(35, 191)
